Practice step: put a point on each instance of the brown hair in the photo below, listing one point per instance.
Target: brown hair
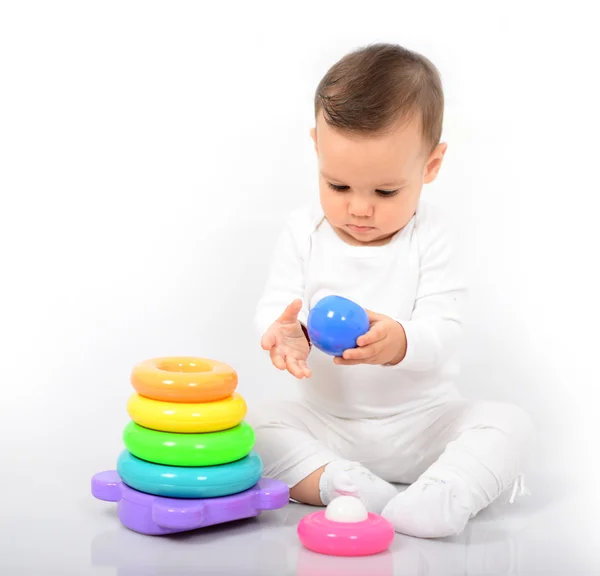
(371, 89)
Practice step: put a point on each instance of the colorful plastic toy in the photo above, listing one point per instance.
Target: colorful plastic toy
(153, 515)
(184, 379)
(187, 417)
(189, 481)
(345, 528)
(188, 454)
(335, 323)
(207, 449)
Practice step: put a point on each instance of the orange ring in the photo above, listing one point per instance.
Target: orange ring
(184, 379)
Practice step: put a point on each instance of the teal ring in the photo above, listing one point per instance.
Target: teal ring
(190, 481)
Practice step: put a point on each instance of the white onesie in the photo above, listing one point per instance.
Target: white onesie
(402, 422)
(412, 279)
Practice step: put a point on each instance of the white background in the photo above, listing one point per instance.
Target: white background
(149, 151)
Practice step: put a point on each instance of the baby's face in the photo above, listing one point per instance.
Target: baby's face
(370, 185)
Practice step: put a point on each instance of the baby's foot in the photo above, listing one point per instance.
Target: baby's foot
(344, 478)
(430, 508)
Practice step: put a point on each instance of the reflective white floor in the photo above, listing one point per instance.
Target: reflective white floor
(550, 532)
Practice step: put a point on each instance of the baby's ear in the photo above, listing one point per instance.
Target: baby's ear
(434, 163)
(313, 135)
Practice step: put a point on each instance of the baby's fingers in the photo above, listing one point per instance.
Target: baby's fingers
(362, 353)
(342, 362)
(307, 371)
(277, 359)
(294, 367)
(290, 314)
(376, 333)
(374, 316)
(268, 341)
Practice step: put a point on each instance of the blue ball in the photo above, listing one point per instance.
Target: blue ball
(335, 323)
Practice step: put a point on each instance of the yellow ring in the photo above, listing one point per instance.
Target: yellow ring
(183, 417)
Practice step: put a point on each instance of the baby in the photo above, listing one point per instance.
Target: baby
(387, 411)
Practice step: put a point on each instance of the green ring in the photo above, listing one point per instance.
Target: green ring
(173, 449)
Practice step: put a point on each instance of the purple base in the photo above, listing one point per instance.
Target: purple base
(155, 515)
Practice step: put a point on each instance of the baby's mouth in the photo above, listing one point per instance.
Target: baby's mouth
(356, 228)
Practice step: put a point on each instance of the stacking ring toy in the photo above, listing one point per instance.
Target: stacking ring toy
(184, 417)
(184, 379)
(190, 482)
(345, 528)
(170, 448)
(155, 515)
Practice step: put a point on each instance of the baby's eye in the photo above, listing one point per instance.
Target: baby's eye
(387, 193)
(338, 188)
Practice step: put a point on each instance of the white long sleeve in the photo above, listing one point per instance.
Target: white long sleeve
(286, 277)
(434, 328)
(412, 279)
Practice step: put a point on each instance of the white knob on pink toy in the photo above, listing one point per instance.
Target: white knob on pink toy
(346, 509)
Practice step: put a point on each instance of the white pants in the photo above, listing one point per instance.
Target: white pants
(486, 444)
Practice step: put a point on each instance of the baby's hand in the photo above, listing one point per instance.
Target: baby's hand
(384, 343)
(287, 344)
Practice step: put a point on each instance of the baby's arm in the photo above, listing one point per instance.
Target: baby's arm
(434, 328)
(281, 314)
(430, 336)
(285, 280)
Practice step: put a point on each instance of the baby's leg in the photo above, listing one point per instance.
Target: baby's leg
(304, 448)
(482, 449)
(290, 441)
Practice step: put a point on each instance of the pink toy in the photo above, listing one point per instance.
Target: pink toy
(345, 529)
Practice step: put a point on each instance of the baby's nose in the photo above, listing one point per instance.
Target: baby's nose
(360, 207)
